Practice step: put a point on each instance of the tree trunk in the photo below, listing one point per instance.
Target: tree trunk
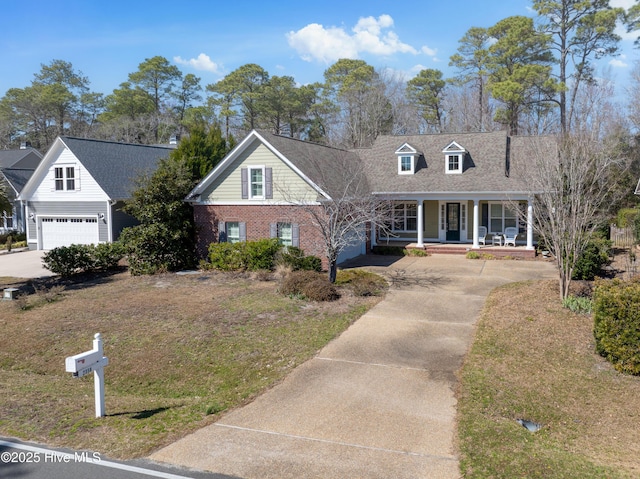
(333, 270)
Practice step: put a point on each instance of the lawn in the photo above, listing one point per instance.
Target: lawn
(182, 350)
(532, 359)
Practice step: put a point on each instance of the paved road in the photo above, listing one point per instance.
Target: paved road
(23, 264)
(377, 402)
(33, 461)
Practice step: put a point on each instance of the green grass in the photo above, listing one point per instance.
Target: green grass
(182, 350)
(534, 359)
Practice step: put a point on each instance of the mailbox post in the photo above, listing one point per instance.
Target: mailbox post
(91, 361)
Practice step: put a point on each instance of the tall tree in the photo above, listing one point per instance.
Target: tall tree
(581, 31)
(158, 78)
(519, 65)
(187, 94)
(357, 95)
(201, 151)
(471, 62)
(128, 115)
(427, 91)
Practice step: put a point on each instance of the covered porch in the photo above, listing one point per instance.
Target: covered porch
(433, 221)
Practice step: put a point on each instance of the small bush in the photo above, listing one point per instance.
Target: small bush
(310, 285)
(80, 258)
(295, 258)
(592, 259)
(578, 304)
(626, 217)
(261, 254)
(617, 323)
(473, 255)
(387, 250)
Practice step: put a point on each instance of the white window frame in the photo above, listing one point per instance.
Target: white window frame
(504, 207)
(460, 160)
(227, 227)
(281, 227)
(68, 177)
(404, 219)
(250, 171)
(412, 164)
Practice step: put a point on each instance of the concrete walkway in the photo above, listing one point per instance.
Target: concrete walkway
(377, 402)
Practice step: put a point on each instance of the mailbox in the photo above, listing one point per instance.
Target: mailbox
(82, 361)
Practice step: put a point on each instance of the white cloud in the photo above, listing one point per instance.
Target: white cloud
(626, 4)
(328, 44)
(618, 63)
(429, 51)
(202, 62)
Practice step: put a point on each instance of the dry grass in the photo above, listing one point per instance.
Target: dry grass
(181, 349)
(532, 359)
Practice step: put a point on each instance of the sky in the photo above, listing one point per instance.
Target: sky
(210, 38)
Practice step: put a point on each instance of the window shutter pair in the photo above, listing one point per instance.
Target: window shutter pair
(295, 233)
(222, 231)
(268, 183)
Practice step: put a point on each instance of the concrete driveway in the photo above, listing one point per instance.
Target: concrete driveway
(23, 264)
(377, 402)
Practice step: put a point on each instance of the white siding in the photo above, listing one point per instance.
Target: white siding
(87, 188)
(227, 187)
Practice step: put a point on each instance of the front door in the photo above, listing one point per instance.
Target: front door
(453, 221)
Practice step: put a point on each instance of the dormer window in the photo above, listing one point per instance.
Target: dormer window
(454, 158)
(407, 159)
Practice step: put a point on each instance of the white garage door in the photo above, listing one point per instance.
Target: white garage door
(61, 231)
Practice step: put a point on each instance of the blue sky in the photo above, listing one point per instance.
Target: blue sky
(210, 38)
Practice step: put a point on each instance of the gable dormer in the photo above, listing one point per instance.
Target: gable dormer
(407, 159)
(454, 158)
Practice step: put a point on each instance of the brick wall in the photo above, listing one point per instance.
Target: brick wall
(258, 220)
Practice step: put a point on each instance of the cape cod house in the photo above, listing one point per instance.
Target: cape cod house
(76, 194)
(445, 188)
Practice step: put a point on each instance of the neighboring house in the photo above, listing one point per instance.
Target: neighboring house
(443, 188)
(16, 167)
(76, 194)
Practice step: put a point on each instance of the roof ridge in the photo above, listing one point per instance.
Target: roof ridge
(306, 142)
(112, 142)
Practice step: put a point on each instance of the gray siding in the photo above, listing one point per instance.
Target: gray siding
(52, 208)
(121, 220)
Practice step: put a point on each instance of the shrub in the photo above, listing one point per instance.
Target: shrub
(80, 258)
(295, 258)
(592, 259)
(415, 252)
(308, 284)
(626, 217)
(387, 250)
(261, 254)
(473, 255)
(617, 323)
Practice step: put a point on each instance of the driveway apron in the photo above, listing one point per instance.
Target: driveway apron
(377, 402)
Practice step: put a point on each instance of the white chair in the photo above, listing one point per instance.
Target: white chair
(482, 234)
(510, 235)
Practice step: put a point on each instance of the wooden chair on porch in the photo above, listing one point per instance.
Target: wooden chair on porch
(510, 235)
(482, 234)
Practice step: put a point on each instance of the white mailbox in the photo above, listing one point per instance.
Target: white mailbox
(91, 361)
(82, 361)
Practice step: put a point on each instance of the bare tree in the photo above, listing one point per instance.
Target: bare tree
(344, 211)
(572, 181)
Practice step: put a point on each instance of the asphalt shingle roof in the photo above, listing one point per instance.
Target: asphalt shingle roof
(488, 164)
(332, 169)
(9, 158)
(115, 166)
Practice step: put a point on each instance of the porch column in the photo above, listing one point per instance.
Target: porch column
(420, 214)
(476, 243)
(530, 223)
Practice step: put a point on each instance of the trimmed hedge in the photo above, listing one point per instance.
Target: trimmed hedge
(616, 306)
(80, 258)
